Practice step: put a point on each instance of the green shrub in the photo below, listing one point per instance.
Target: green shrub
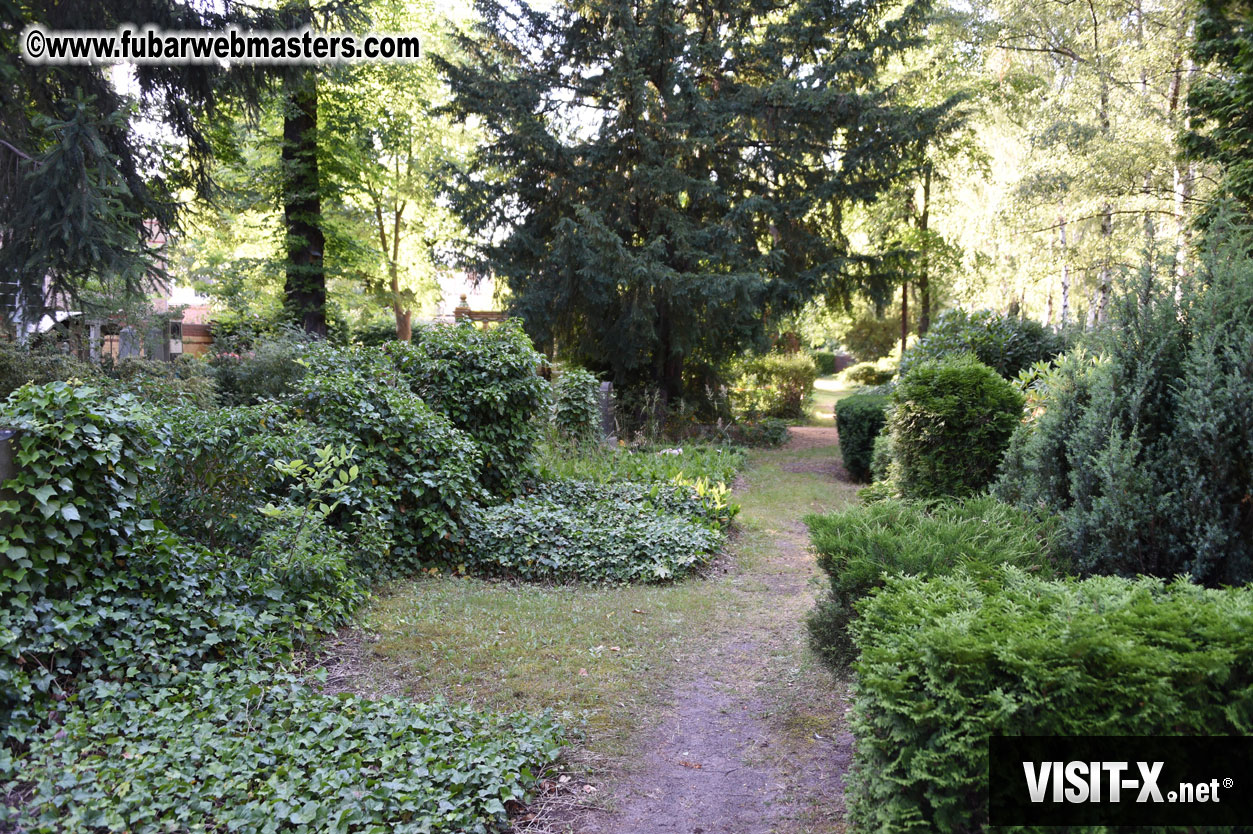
(19, 366)
(1147, 454)
(422, 472)
(249, 751)
(185, 382)
(268, 368)
(859, 419)
(859, 547)
(951, 422)
(879, 372)
(485, 382)
(869, 338)
(775, 385)
(769, 433)
(215, 469)
(824, 361)
(948, 662)
(1006, 344)
(587, 535)
(705, 502)
(882, 455)
(576, 406)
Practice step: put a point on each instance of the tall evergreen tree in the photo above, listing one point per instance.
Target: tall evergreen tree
(661, 177)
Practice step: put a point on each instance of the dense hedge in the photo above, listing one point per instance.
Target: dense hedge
(576, 406)
(485, 382)
(93, 589)
(247, 751)
(824, 360)
(1147, 454)
(859, 547)
(879, 372)
(422, 473)
(568, 532)
(859, 419)
(775, 385)
(947, 662)
(951, 422)
(1006, 344)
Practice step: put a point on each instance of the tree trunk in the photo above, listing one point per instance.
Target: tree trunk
(304, 289)
(404, 317)
(904, 314)
(1061, 228)
(924, 276)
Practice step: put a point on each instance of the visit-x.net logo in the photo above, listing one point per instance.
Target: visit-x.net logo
(1108, 780)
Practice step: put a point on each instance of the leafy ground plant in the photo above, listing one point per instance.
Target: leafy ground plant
(244, 750)
(654, 463)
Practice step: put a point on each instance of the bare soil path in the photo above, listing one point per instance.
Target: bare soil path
(752, 737)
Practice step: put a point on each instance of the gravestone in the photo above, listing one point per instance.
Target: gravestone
(607, 423)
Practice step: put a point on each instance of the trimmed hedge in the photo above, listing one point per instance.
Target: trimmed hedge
(947, 662)
(825, 361)
(859, 419)
(861, 546)
(879, 372)
(950, 424)
(485, 383)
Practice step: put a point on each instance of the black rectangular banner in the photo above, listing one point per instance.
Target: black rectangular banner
(1120, 780)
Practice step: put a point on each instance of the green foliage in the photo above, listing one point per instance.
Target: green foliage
(19, 366)
(215, 469)
(859, 547)
(951, 422)
(881, 457)
(1147, 454)
(879, 372)
(92, 587)
(566, 533)
(249, 371)
(648, 464)
(629, 251)
(859, 420)
(240, 750)
(423, 472)
(824, 360)
(1006, 344)
(576, 406)
(701, 500)
(947, 662)
(184, 382)
(869, 338)
(775, 385)
(485, 383)
(769, 433)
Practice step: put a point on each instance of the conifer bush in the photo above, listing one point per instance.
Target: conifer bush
(947, 662)
(951, 422)
(859, 419)
(1006, 344)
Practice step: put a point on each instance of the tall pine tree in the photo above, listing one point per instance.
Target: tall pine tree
(662, 177)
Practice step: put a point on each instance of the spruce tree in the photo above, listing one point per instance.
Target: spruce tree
(661, 178)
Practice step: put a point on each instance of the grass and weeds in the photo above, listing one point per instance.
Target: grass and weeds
(647, 464)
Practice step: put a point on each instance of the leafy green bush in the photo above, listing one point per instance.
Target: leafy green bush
(824, 360)
(423, 471)
(1006, 344)
(947, 662)
(603, 465)
(951, 422)
(882, 455)
(576, 406)
(869, 338)
(859, 547)
(265, 369)
(485, 382)
(700, 500)
(566, 534)
(19, 366)
(1147, 454)
(249, 751)
(775, 385)
(859, 419)
(769, 433)
(879, 372)
(215, 469)
(185, 382)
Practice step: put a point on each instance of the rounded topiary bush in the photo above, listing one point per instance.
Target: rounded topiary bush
(859, 419)
(951, 424)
